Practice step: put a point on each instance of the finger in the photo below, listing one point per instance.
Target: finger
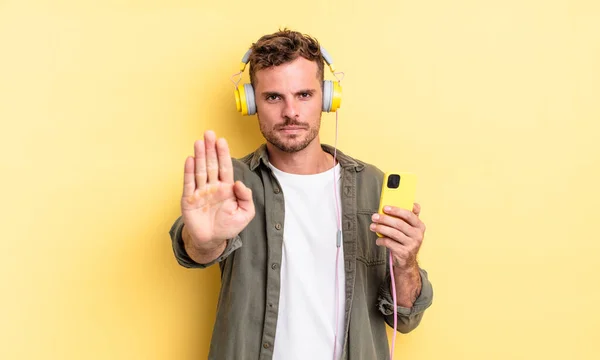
(417, 212)
(401, 213)
(417, 209)
(401, 256)
(395, 247)
(225, 165)
(390, 232)
(244, 196)
(200, 159)
(396, 223)
(212, 163)
(189, 183)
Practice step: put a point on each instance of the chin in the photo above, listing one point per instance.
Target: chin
(290, 144)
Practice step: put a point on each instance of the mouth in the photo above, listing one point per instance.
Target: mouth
(292, 129)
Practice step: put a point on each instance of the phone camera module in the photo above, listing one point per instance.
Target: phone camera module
(393, 181)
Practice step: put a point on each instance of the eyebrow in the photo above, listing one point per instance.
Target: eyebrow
(266, 94)
(275, 93)
(308, 91)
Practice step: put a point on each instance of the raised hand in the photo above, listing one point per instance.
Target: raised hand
(213, 206)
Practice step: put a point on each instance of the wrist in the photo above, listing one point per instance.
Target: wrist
(200, 251)
(409, 270)
(408, 285)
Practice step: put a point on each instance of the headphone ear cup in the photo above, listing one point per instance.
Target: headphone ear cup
(336, 98)
(238, 98)
(332, 96)
(250, 100)
(327, 95)
(244, 99)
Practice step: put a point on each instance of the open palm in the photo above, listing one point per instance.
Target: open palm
(214, 207)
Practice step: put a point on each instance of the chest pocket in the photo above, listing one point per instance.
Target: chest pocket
(368, 252)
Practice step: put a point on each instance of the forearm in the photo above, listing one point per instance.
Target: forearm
(202, 254)
(409, 314)
(408, 286)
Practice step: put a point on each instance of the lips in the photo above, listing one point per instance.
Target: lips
(291, 128)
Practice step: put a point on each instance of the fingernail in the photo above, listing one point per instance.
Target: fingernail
(375, 217)
(372, 226)
(386, 208)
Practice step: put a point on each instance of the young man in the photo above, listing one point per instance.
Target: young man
(303, 273)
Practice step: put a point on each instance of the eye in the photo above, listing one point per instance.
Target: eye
(273, 97)
(305, 95)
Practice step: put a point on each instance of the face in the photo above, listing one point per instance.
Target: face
(289, 101)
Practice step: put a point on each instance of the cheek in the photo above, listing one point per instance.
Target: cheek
(266, 110)
(313, 108)
(268, 115)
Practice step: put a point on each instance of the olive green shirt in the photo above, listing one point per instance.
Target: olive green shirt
(247, 310)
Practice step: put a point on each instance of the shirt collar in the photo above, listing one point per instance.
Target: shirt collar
(261, 156)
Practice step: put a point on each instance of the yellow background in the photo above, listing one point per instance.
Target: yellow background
(494, 104)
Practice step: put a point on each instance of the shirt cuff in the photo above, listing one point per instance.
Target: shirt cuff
(182, 256)
(423, 301)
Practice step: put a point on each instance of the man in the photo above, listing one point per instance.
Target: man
(291, 286)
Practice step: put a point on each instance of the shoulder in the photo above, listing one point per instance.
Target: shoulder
(367, 182)
(242, 163)
(367, 178)
(370, 177)
(364, 169)
(242, 169)
(371, 171)
(241, 166)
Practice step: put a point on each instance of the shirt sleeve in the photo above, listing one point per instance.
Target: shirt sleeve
(408, 318)
(185, 260)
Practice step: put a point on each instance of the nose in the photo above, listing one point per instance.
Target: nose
(290, 109)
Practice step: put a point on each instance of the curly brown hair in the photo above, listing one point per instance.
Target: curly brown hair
(282, 47)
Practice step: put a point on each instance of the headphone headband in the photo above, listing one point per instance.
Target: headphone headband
(328, 59)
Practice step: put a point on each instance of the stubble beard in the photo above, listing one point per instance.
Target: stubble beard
(290, 143)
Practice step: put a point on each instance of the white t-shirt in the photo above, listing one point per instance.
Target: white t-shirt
(307, 308)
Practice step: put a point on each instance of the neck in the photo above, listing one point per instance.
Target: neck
(311, 160)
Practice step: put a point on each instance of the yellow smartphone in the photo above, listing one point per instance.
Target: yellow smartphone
(398, 189)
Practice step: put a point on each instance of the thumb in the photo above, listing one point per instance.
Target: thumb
(243, 195)
(417, 209)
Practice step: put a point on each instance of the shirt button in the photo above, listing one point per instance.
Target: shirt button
(266, 345)
(278, 226)
(276, 190)
(274, 266)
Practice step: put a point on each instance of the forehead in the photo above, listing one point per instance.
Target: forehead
(297, 74)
